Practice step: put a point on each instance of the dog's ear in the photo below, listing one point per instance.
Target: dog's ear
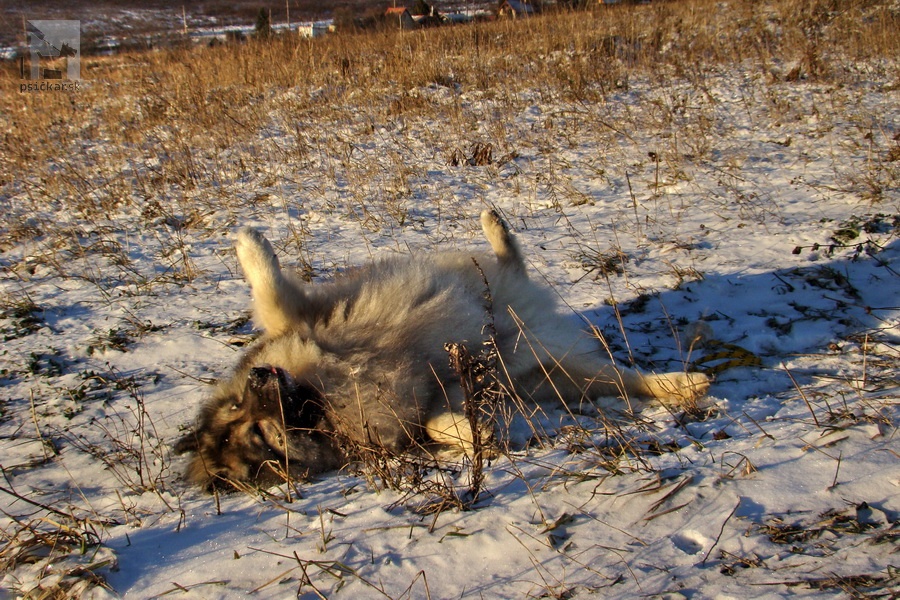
(187, 443)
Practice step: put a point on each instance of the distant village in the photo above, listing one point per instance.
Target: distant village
(420, 14)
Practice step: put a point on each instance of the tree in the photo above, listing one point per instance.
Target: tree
(263, 29)
(421, 8)
(344, 19)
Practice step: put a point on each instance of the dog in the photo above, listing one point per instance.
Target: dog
(362, 361)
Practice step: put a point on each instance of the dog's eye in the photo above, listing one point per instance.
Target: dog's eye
(258, 433)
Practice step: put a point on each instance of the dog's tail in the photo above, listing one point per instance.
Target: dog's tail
(503, 243)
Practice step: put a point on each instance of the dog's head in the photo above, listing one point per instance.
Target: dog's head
(260, 428)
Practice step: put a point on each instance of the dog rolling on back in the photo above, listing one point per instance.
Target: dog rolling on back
(362, 360)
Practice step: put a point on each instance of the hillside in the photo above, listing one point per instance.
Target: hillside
(717, 167)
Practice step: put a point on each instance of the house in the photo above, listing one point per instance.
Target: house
(429, 20)
(312, 30)
(400, 17)
(515, 8)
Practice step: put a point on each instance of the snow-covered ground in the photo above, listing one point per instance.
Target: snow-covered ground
(764, 210)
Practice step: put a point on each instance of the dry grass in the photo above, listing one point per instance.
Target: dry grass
(168, 134)
(64, 555)
(186, 104)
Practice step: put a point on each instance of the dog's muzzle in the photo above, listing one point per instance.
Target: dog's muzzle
(262, 377)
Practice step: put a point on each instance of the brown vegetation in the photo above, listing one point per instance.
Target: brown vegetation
(211, 97)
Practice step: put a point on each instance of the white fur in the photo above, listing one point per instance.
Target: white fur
(373, 342)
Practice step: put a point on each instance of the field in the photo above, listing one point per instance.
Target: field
(724, 168)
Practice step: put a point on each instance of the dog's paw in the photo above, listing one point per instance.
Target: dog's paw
(257, 258)
(683, 388)
(492, 222)
(688, 387)
(453, 430)
(497, 233)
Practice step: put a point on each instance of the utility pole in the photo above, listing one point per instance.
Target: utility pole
(24, 46)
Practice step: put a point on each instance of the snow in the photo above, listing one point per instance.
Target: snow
(786, 484)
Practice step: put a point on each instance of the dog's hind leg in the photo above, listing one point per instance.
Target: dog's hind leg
(504, 245)
(601, 377)
(571, 367)
(276, 300)
(681, 388)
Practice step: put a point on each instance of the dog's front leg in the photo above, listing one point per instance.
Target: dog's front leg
(276, 301)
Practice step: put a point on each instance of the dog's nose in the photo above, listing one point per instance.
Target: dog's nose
(260, 376)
